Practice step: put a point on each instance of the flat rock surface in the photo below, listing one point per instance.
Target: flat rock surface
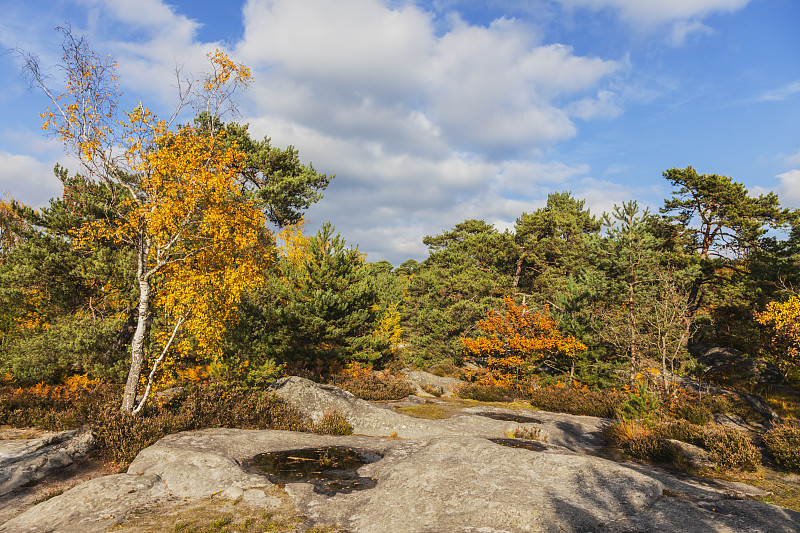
(458, 474)
(465, 483)
(313, 400)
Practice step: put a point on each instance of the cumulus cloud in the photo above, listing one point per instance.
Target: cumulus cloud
(788, 188)
(683, 16)
(28, 179)
(424, 124)
(659, 11)
(361, 66)
(426, 120)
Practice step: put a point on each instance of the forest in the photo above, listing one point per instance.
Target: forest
(566, 296)
(177, 256)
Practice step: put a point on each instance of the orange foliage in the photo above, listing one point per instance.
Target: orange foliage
(356, 371)
(515, 341)
(71, 389)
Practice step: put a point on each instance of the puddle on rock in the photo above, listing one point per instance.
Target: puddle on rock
(509, 417)
(519, 443)
(330, 469)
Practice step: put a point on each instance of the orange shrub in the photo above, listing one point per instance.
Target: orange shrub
(515, 342)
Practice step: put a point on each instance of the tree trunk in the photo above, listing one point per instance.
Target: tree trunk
(140, 335)
(137, 347)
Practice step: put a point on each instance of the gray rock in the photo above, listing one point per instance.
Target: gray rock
(450, 476)
(258, 499)
(91, 506)
(692, 456)
(447, 386)
(457, 483)
(313, 400)
(25, 460)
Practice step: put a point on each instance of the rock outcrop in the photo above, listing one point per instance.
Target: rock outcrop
(447, 387)
(23, 461)
(459, 474)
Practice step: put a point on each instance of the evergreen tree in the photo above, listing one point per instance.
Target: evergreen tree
(467, 273)
(550, 244)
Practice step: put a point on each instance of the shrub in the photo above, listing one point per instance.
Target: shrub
(486, 393)
(121, 436)
(527, 433)
(445, 369)
(783, 442)
(602, 403)
(636, 438)
(729, 448)
(333, 423)
(640, 404)
(375, 386)
(431, 389)
(692, 411)
(54, 407)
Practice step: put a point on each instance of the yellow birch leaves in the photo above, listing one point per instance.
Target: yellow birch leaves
(784, 318)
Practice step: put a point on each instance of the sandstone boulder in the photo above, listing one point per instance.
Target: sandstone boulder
(461, 474)
(446, 386)
(25, 460)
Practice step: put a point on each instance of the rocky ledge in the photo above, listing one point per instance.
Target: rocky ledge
(460, 474)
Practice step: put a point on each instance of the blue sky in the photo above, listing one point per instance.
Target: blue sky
(436, 111)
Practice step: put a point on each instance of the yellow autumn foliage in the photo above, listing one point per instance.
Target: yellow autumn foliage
(784, 318)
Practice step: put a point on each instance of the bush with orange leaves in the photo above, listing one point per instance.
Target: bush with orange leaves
(516, 342)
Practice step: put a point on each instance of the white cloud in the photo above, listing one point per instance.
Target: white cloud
(683, 17)
(364, 70)
(788, 188)
(660, 11)
(534, 179)
(602, 195)
(28, 179)
(781, 93)
(425, 122)
(602, 106)
(681, 29)
(793, 160)
(424, 125)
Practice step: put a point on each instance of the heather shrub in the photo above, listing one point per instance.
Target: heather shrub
(692, 411)
(431, 389)
(375, 386)
(783, 443)
(54, 407)
(602, 403)
(527, 433)
(121, 436)
(332, 423)
(445, 369)
(636, 438)
(729, 448)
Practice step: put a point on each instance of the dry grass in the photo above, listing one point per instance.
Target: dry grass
(211, 515)
(428, 411)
